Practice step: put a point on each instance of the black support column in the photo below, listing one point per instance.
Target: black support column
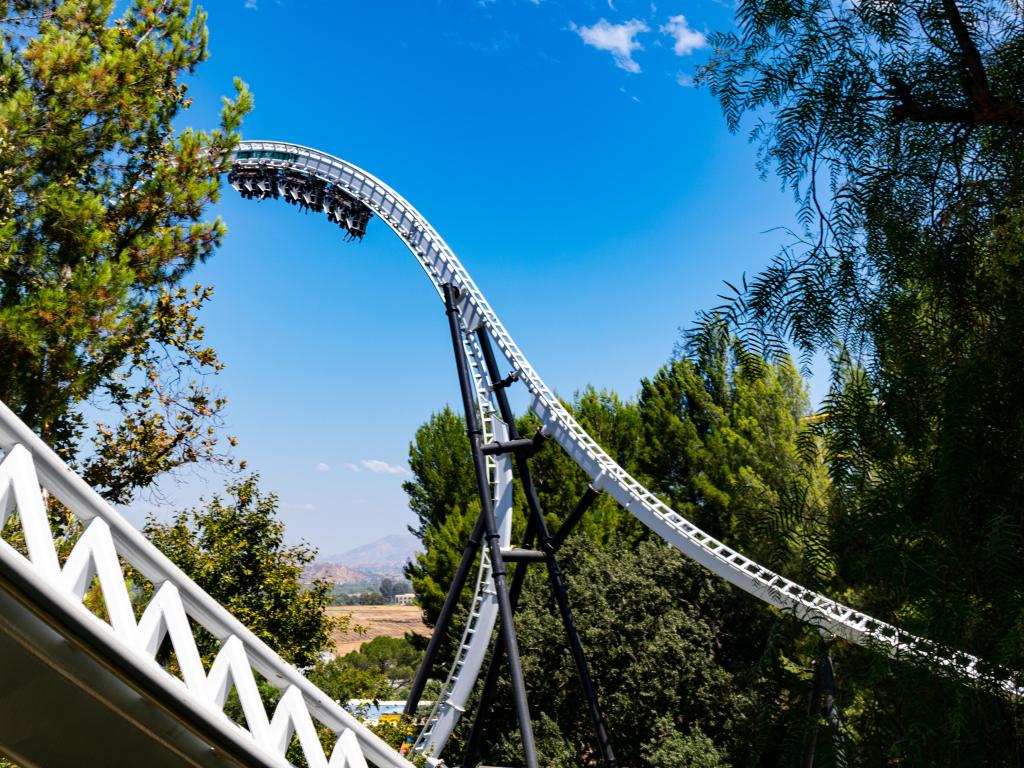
(476, 734)
(507, 627)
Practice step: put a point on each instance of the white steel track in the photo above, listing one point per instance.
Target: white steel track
(441, 266)
(31, 473)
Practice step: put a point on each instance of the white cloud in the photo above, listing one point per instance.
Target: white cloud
(382, 467)
(687, 40)
(321, 467)
(352, 467)
(250, 5)
(684, 80)
(618, 39)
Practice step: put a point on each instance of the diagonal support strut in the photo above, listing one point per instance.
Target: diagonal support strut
(548, 546)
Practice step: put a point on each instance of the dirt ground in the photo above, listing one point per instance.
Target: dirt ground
(387, 620)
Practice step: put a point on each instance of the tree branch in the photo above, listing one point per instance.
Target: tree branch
(1009, 114)
(984, 109)
(975, 77)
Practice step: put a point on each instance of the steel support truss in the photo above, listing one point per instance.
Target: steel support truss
(537, 529)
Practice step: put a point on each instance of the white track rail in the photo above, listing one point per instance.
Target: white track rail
(30, 472)
(441, 266)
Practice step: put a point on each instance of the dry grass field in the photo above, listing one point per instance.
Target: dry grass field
(386, 620)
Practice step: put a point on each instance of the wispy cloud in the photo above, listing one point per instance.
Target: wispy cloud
(382, 467)
(687, 39)
(321, 467)
(352, 467)
(250, 5)
(618, 39)
(684, 80)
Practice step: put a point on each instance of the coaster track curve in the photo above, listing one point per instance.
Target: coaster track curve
(256, 162)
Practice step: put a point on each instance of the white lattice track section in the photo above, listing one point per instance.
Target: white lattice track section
(93, 567)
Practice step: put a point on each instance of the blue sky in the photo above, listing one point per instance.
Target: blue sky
(596, 197)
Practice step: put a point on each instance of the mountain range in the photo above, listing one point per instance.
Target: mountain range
(387, 553)
(386, 556)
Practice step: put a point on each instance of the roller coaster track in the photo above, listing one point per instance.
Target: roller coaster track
(99, 666)
(442, 266)
(104, 666)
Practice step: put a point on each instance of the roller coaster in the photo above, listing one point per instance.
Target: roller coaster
(101, 672)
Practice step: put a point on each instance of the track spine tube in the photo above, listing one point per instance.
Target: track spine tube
(546, 542)
(507, 626)
(444, 618)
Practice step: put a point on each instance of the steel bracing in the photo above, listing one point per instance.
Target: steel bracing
(81, 634)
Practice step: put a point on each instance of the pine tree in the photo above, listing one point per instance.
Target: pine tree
(101, 220)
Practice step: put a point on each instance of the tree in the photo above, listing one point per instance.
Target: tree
(101, 220)
(442, 468)
(898, 127)
(434, 568)
(394, 658)
(234, 550)
(443, 490)
(665, 640)
(615, 424)
(719, 434)
(724, 444)
(389, 588)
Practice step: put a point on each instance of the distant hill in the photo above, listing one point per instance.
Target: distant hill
(335, 573)
(385, 555)
(369, 563)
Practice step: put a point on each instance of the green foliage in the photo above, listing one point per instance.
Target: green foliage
(442, 467)
(101, 220)
(615, 424)
(435, 567)
(444, 495)
(669, 648)
(400, 736)
(389, 588)
(381, 669)
(394, 658)
(343, 680)
(234, 549)
(900, 128)
(369, 597)
(686, 750)
(722, 445)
